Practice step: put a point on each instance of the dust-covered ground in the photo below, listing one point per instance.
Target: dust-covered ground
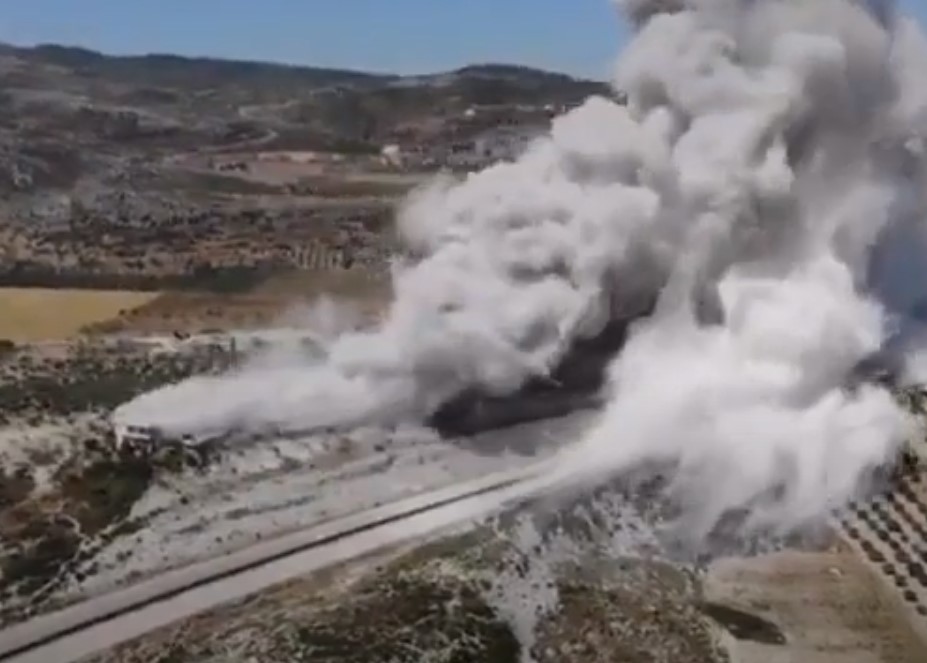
(569, 578)
(584, 581)
(574, 577)
(591, 578)
(79, 515)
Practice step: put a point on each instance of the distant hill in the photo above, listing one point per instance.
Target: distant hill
(180, 71)
(184, 72)
(73, 117)
(51, 91)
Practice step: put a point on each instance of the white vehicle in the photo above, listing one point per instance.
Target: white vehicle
(146, 437)
(134, 437)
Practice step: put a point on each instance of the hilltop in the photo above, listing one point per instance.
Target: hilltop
(133, 103)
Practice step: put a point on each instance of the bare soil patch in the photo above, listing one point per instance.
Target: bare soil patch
(37, 314)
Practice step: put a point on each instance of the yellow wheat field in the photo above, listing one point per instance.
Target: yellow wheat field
(37, 314)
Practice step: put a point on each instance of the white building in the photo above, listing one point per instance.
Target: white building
(506, 144)
(493, 146)
(391, 155)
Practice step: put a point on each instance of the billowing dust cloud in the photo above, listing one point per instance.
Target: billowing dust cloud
(766, 177)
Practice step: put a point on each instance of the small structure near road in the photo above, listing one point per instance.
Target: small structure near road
(391, 156)
(492, 146)
(148, 438)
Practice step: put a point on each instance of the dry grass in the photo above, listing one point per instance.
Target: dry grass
(274, 301)
(36, 314)
(355, 284)
(196, 312)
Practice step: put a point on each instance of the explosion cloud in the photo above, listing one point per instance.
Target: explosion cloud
(766, 181)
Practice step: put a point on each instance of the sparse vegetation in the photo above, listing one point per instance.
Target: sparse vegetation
(112, 183)
(445, 602)
(91, 382)
(45, 534)
(404, 617)
(15, 486)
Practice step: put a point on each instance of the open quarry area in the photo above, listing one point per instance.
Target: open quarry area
(493, 365)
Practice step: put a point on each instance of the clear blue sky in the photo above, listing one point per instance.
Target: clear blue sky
(405, 36)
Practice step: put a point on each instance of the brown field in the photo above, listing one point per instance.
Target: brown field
(196, 312)
(271, 302)
(832, 608)
(36, 314)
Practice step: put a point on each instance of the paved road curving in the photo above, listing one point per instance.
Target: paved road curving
(106, 621)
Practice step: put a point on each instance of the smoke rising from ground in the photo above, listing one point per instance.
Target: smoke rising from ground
(767, 177)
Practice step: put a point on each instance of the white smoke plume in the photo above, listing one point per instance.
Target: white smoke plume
(770, 165)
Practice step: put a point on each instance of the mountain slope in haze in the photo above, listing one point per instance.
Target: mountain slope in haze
(68, 114)
(173, 87)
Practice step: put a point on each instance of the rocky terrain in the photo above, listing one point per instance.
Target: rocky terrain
(232, 191)
(66, 489)
(81, 514)
(587, 581)
(570, 579)
(166, 173)
(595, 578)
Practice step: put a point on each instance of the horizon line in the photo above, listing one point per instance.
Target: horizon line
(286, 64)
